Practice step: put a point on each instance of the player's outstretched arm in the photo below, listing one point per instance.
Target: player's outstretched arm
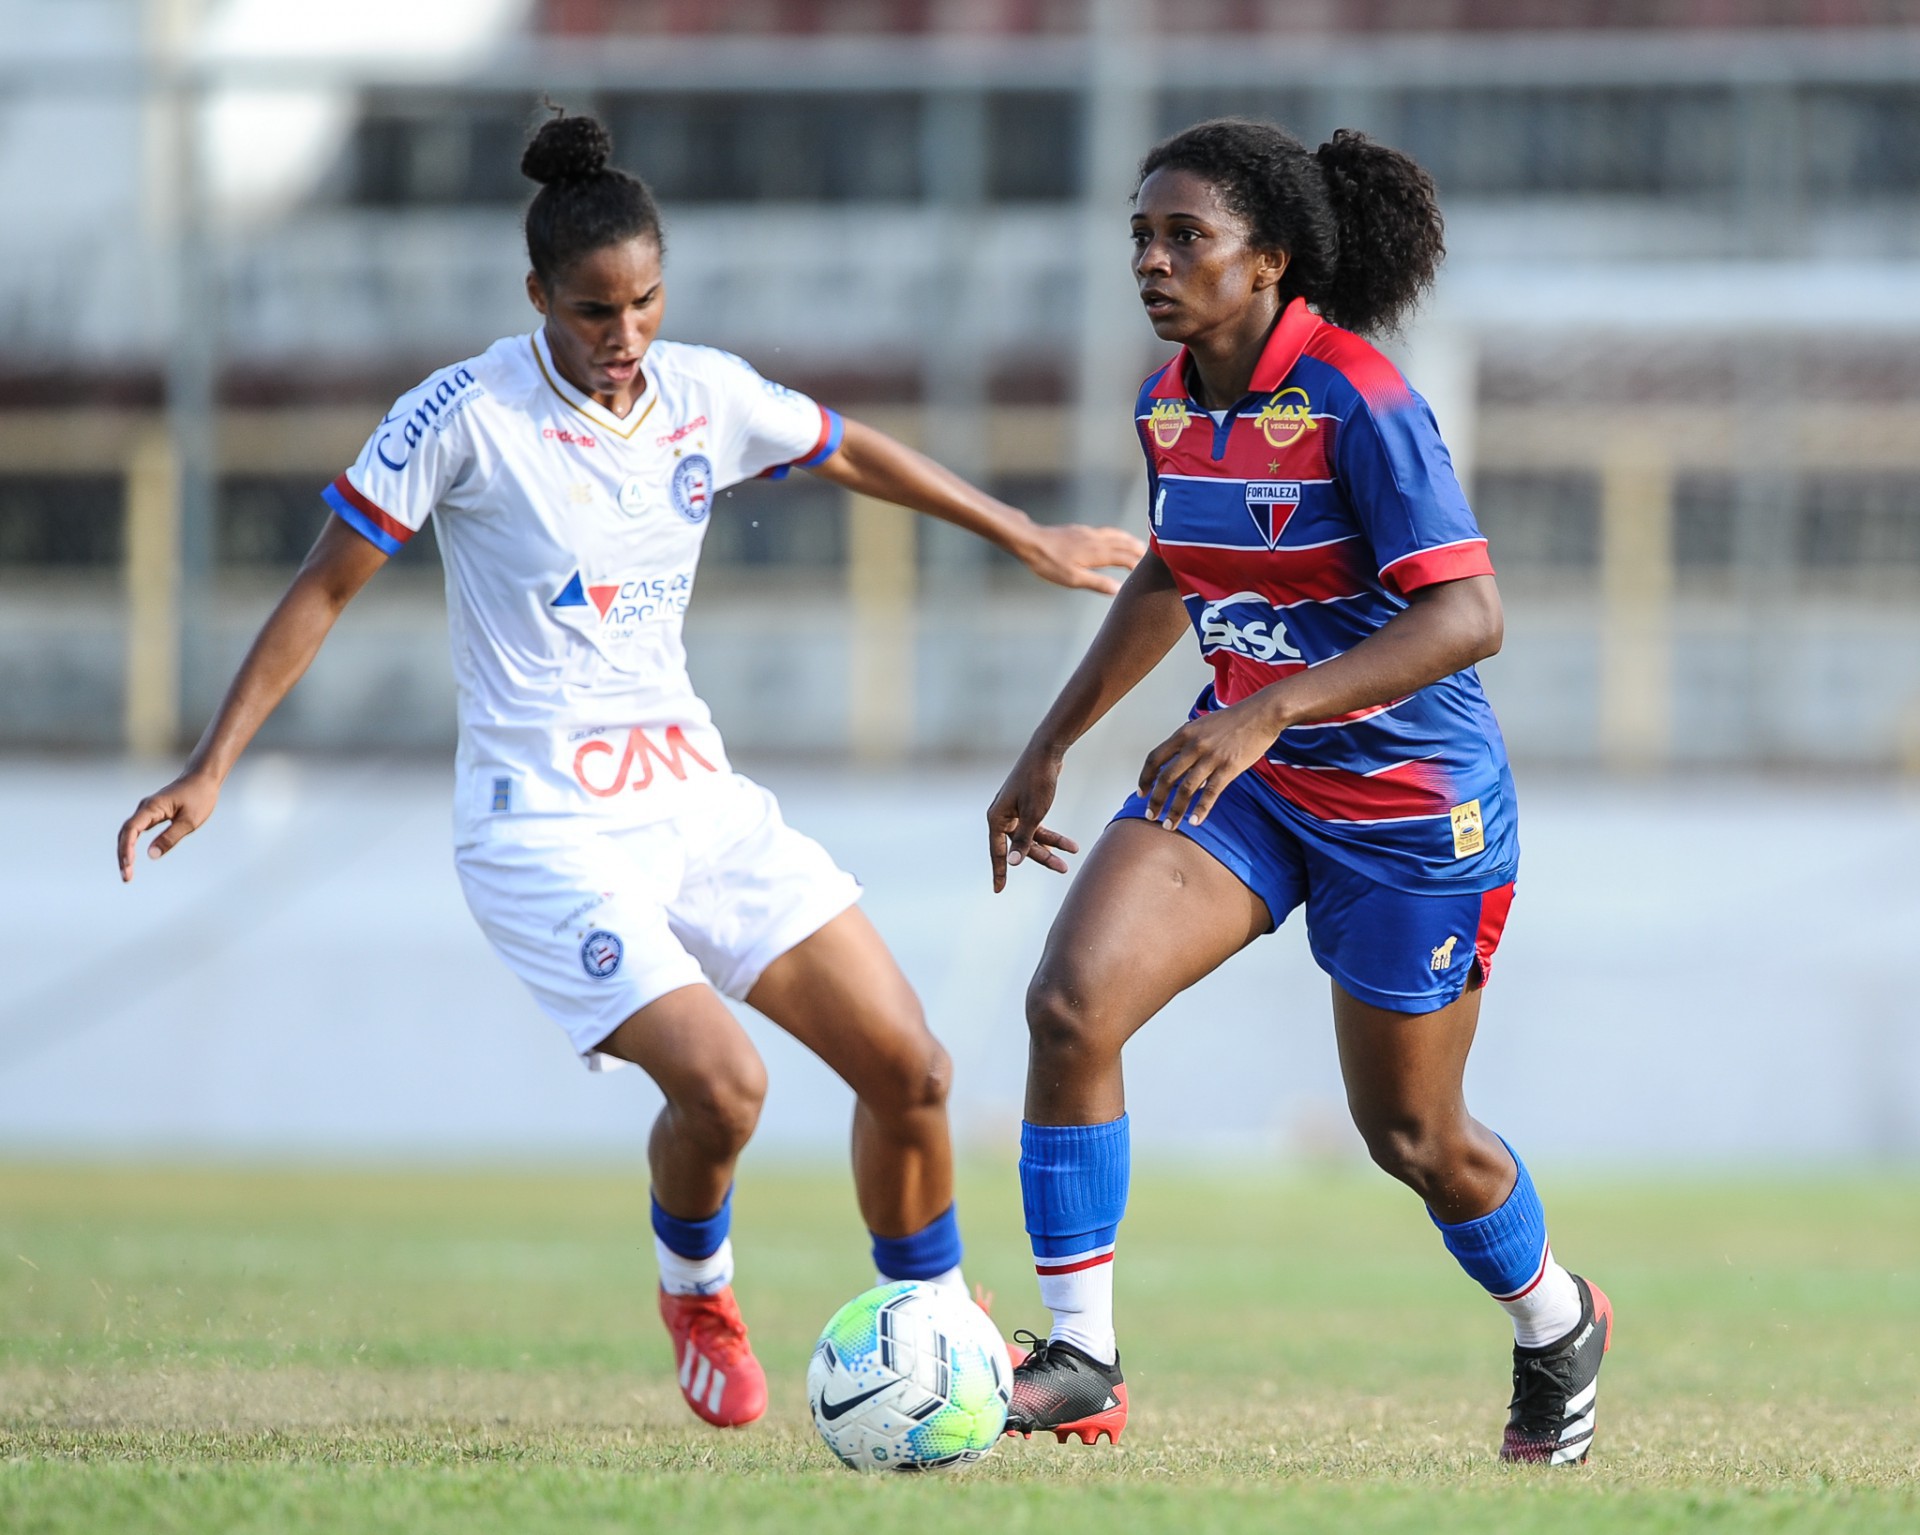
(870, 463)
(338, 565)
(1145, 622)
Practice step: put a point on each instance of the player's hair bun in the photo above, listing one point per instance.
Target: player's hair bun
(583, 202)
(567, 149)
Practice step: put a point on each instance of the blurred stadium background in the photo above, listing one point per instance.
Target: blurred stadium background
(1676, 351)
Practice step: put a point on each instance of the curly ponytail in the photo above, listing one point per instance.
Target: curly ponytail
(1359, 221)
(583, 203)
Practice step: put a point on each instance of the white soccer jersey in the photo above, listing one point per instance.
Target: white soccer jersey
(570, 537)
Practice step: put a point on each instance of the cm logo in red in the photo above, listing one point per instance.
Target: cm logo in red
(641, 753)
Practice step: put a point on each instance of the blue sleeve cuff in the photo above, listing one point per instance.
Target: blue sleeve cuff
(358, 520)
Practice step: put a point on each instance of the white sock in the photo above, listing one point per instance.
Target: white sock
(694, 1276)
(1080, 1296)
(1547, 1311)
(953, 1279)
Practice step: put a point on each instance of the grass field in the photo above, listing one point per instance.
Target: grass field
(283, 1351)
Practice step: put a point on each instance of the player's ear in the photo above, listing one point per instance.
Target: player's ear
(536, 292)
(1269, 269)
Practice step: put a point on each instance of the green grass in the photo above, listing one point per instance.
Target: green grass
(282, 1351)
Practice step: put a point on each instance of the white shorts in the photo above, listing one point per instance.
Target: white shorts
(598, 921)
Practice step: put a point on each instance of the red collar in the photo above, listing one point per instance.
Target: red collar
(1284, 345)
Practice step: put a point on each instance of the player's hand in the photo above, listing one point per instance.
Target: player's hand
(1188, 771)
(1073, 555)
(183, 806)
(1014, 830)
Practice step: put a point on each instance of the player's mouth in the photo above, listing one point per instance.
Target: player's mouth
(1157, 302)
(621, 371)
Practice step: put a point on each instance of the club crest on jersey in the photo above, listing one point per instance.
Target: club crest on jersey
(600, 953)
(1248, 625)
(693, 487)
(1272, 503)
(1286, 418)
(1167, 420)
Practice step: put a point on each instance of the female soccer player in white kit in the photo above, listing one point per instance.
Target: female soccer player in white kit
(617, 864)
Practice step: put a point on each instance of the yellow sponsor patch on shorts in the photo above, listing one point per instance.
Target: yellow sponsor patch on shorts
(1469, 834)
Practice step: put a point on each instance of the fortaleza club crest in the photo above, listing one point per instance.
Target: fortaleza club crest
(693, 487)
(1286, 418)
(1272, 503)
(1167, 420)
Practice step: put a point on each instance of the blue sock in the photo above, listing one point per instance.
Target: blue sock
(1505, 1248)
(693, 1239)
(929, 1253)
(1073, 1184)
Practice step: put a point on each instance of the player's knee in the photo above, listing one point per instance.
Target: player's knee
(1421, 1153)
(1061, 1024)
(721, 1106)
(917, 1075)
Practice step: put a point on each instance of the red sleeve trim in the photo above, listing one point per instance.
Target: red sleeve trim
(390, 526)
(1429, 567)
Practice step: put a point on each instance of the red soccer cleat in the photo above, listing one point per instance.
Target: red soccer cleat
(719, 1376)
(1059, 1390)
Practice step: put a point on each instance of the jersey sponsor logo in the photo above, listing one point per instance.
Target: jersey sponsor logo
(693, 487)
(571, 438)
(668, 439)
(1443, 955)
(1469, 829)
(600, 953)
(627, 600)
(1167, 420)
(640, 754)
(1286, 418)
(1272, 503)
(406, 430)
(1248, 625)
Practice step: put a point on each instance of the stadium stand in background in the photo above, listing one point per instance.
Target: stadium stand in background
(1674, 345)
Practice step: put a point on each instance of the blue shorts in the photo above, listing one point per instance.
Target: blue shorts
(1391, 948)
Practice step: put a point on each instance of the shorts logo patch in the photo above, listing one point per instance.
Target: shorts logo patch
(1443, 956)
(1469, 832)
(693, 487)
(600, 953)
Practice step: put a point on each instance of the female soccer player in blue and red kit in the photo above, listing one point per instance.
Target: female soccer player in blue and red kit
(1307, 525)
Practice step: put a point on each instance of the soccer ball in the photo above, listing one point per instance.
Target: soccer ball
(909, 1377)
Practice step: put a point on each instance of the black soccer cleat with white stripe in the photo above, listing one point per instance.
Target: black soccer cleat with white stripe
(1059, 1390)
(1550, 1421)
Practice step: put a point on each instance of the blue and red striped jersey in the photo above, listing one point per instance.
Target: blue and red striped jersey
(1295, 525)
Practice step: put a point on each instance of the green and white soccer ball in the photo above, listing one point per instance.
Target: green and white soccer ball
(910, 1377)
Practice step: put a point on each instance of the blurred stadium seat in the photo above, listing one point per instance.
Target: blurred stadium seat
(1673, 348)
